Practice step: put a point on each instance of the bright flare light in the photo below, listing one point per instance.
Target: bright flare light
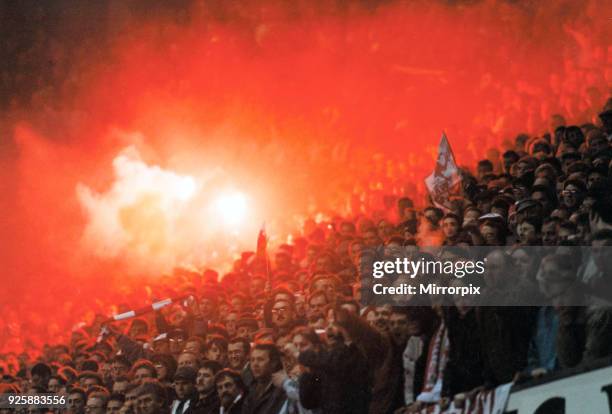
(185, 188)
(232, 208)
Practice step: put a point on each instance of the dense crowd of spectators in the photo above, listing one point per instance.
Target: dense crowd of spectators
(286, 332)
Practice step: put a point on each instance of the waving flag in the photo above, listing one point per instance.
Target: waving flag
(262, 254)
(444, 183)
(262, 243)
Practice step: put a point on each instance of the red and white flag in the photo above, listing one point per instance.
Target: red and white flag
(444, 183)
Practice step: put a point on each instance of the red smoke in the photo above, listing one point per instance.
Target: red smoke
(286, 100)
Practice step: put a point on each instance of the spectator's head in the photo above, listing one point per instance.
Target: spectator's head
(165, 365)
(520, 141)
(557, 275)
(529, 231)
(283, 314)
(509, 158)
(405, 208)
(176, 341)
(304, 339)
(114, 404)
(229, 386)
(142, 370)
(77, 397)
(205, 380)
(433, 215)
(541, 149)
(120, 384)
(398, 325)
(347, 228)
(208, 305)
(451, 224)
(483, 200)
(569, 157)
(596, 141)
(96, 403)
(385, 229)
(484, 167)
(40, 375)
(57, 384)
(90, 365)
(88, 379)
(471, 215)
(161, 344)
(521, 189)
(131, 397)
(246, 327)
(282, 260)
(525, 262)
(230, 321)
(216, 348)
(545, 197)
(316, 304)
(549, 231)
(606, 120)
(382, 315)
(188, 359)
(573, 136)
(350, 305)
(566, 230)
(500, 206)
(546, 170)
(265, 360)
(492, 232)
(238, 352)
(597, 180)
(119, 366)
(152, 398)
(371, 238)
(328, 283)
(184, 382)
(525, 165)
(195, 345)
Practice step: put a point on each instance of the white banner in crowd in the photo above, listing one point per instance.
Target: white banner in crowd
(486, 402)
(589, 393)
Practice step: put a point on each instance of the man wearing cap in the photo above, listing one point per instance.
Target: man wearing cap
(184, 387)
(246, 327)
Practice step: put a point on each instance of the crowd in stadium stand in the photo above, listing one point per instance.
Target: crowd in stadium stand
(285, 331)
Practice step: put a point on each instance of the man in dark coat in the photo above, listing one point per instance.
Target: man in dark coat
(208, 399)
(339, 379)
(230, 390)
(186, 394)
(263, 397)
